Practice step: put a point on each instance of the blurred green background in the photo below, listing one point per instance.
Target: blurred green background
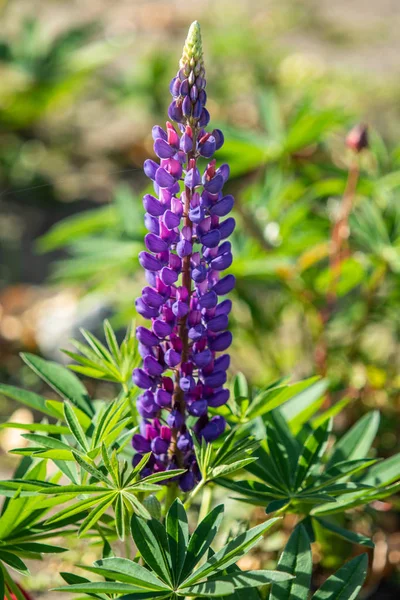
(82, 83)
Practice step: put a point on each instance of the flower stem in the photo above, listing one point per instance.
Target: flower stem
(205, 502)
(171, 495)
(179, 396)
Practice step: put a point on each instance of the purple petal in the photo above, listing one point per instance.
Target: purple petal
(223, 207)
(219, 399)
(146, 337)
(142, 379)
(161, 328)
(152, 366)
(172, 358)
(216, 379)
(208, 300)
(227, 227)
(149, 262)
(163, 399)
(152, 298)
(158, 132)
(155, 243)
(163, 149)
(211, 239)
(224, 285)
(168, 276)
(163, 178)
(150, 168)
(214, 428)
(145, 310)
(221, 342)
(152, 224)
(218, 323)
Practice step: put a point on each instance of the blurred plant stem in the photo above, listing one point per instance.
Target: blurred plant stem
(339, 236)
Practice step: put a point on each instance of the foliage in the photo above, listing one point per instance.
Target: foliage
(287, 465)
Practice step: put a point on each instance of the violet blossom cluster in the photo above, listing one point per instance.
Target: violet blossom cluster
(183, 372)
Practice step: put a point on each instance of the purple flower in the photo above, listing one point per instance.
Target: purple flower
(182, 373)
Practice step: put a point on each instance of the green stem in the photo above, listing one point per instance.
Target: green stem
(205, 503)
(170, 496)
(126, 390)
(194, 493)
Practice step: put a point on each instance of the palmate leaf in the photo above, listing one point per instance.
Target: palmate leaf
(356, 443)
(111, 363)
(75, 427)
(231, 553)
(178, 537)
(27, 398)
(345, 534)
(207, 589)
(346, 582)
(61, 380)
(234, 454)
(153, 552)
(201, 539)
(292, 475)
(170, 556)
(296, 559)
(271, 398)
(313, 449)
(127, 571)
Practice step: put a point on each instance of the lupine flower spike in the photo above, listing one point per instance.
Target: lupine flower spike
(187, 250)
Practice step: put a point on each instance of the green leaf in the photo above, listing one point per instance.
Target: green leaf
(201, 539)
(73, 489)
(13, 561)
(272, 398)
(265, 470)
(153, 553)
(76, 509)
(345, 534)
(313, 449)
(30, 399)
(110, 464)
(77, 226)
(256, 492)
(208, 589)
(45, 427)
(46, 441)
(85, 464)
(156, 477)
(127, 571)
(295, 559)
(177, 528)
(357, 441)
(120, 517)
(61, 380)
(304, 405)
(341, 471)
(384, 472)
(284, 449)
(346, 583)
(106, 587)
(249, 579)
(231, 553)
(223, 470)
(137, 506)
(38, 548)
(111, 339)
(75, 427)
(96, 513)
